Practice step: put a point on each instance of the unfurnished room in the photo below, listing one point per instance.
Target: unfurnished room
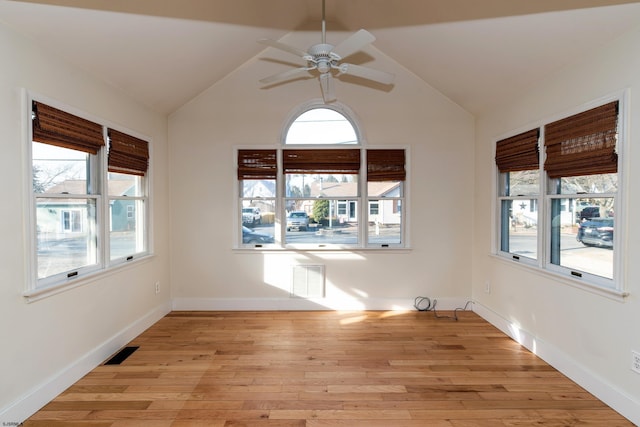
(319, 213)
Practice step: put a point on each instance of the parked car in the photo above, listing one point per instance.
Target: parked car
(589, 212)
(596, 232)
(250, 236)
(297, 220)
(251, 216)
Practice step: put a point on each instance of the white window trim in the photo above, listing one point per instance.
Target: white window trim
(613, 288)
(36, 289)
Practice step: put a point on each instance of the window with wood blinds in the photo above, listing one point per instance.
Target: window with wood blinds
(386, 175)
(562, 214)
(518, 161)
(89, 213)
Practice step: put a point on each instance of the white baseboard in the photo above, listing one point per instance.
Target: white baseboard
(306, 304)
(616, 399)
(28, 404)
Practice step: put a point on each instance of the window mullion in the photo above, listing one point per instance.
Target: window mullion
(103, 232)
(363, 202)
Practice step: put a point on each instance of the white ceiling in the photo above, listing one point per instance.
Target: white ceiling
(165, 52)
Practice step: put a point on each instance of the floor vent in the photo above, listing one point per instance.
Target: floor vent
(308, 281)
(121, 356)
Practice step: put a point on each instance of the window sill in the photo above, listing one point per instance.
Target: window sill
(248, 250)
(34, 295)
(613, 294)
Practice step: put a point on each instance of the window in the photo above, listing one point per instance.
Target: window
(68, 183)
(309, 192)
(257, 170)
(385, 191)
(321, 126)
(127, 165)
(331, 177)
(573, 223)
(581, 166)
(517, 159)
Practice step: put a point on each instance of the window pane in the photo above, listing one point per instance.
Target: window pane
(258, 222)
(587, 245)
(519, 227)
(385, 189)
(520, 183)
(59, 170)
(121, 184)
(126, 227)
(603, 183)
(66, 235)
(322, 221)
(316, 185)
(254, 188)
(321, 126)
(385, 221)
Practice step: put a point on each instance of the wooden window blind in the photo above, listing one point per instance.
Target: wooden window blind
(321, 161)
(583, 144)
(257, 164)
(386, 165)
(127, 154)
(56, 127)
(519, 152)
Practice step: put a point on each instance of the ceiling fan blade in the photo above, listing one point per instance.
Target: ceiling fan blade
(367, 73)
(285, 47)
(353, 44)
(328, 90)
(286, 75)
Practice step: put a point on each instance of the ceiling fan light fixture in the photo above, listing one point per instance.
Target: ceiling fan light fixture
(324, 66)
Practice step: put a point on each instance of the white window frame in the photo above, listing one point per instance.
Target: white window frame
(36, 289)
(613, 288)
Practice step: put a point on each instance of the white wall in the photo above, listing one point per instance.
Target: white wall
(207, 273)
(46, 343)
(590, 337)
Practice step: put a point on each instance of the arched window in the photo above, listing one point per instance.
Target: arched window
(321, 125)
(321, 188)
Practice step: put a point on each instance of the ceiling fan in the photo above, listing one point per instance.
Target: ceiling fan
(324, 58)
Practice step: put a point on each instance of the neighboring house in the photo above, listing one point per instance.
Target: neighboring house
(381, 210)
(68, 216)
(259, 191)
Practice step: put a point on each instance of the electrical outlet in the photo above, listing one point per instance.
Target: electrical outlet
(635, 361)
(487, 287)
(157, 287)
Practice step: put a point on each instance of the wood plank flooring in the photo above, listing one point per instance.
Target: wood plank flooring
(320, 369)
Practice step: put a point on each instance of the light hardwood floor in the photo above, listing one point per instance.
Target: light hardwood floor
(325, 368)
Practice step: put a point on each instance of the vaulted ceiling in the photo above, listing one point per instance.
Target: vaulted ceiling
(165, 52)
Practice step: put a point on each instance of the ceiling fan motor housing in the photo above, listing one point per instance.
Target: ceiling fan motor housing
(322, 57)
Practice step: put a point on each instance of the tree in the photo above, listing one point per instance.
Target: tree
(320, 210)
(45, 178)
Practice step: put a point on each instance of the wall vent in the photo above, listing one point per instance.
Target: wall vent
(308, 281)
